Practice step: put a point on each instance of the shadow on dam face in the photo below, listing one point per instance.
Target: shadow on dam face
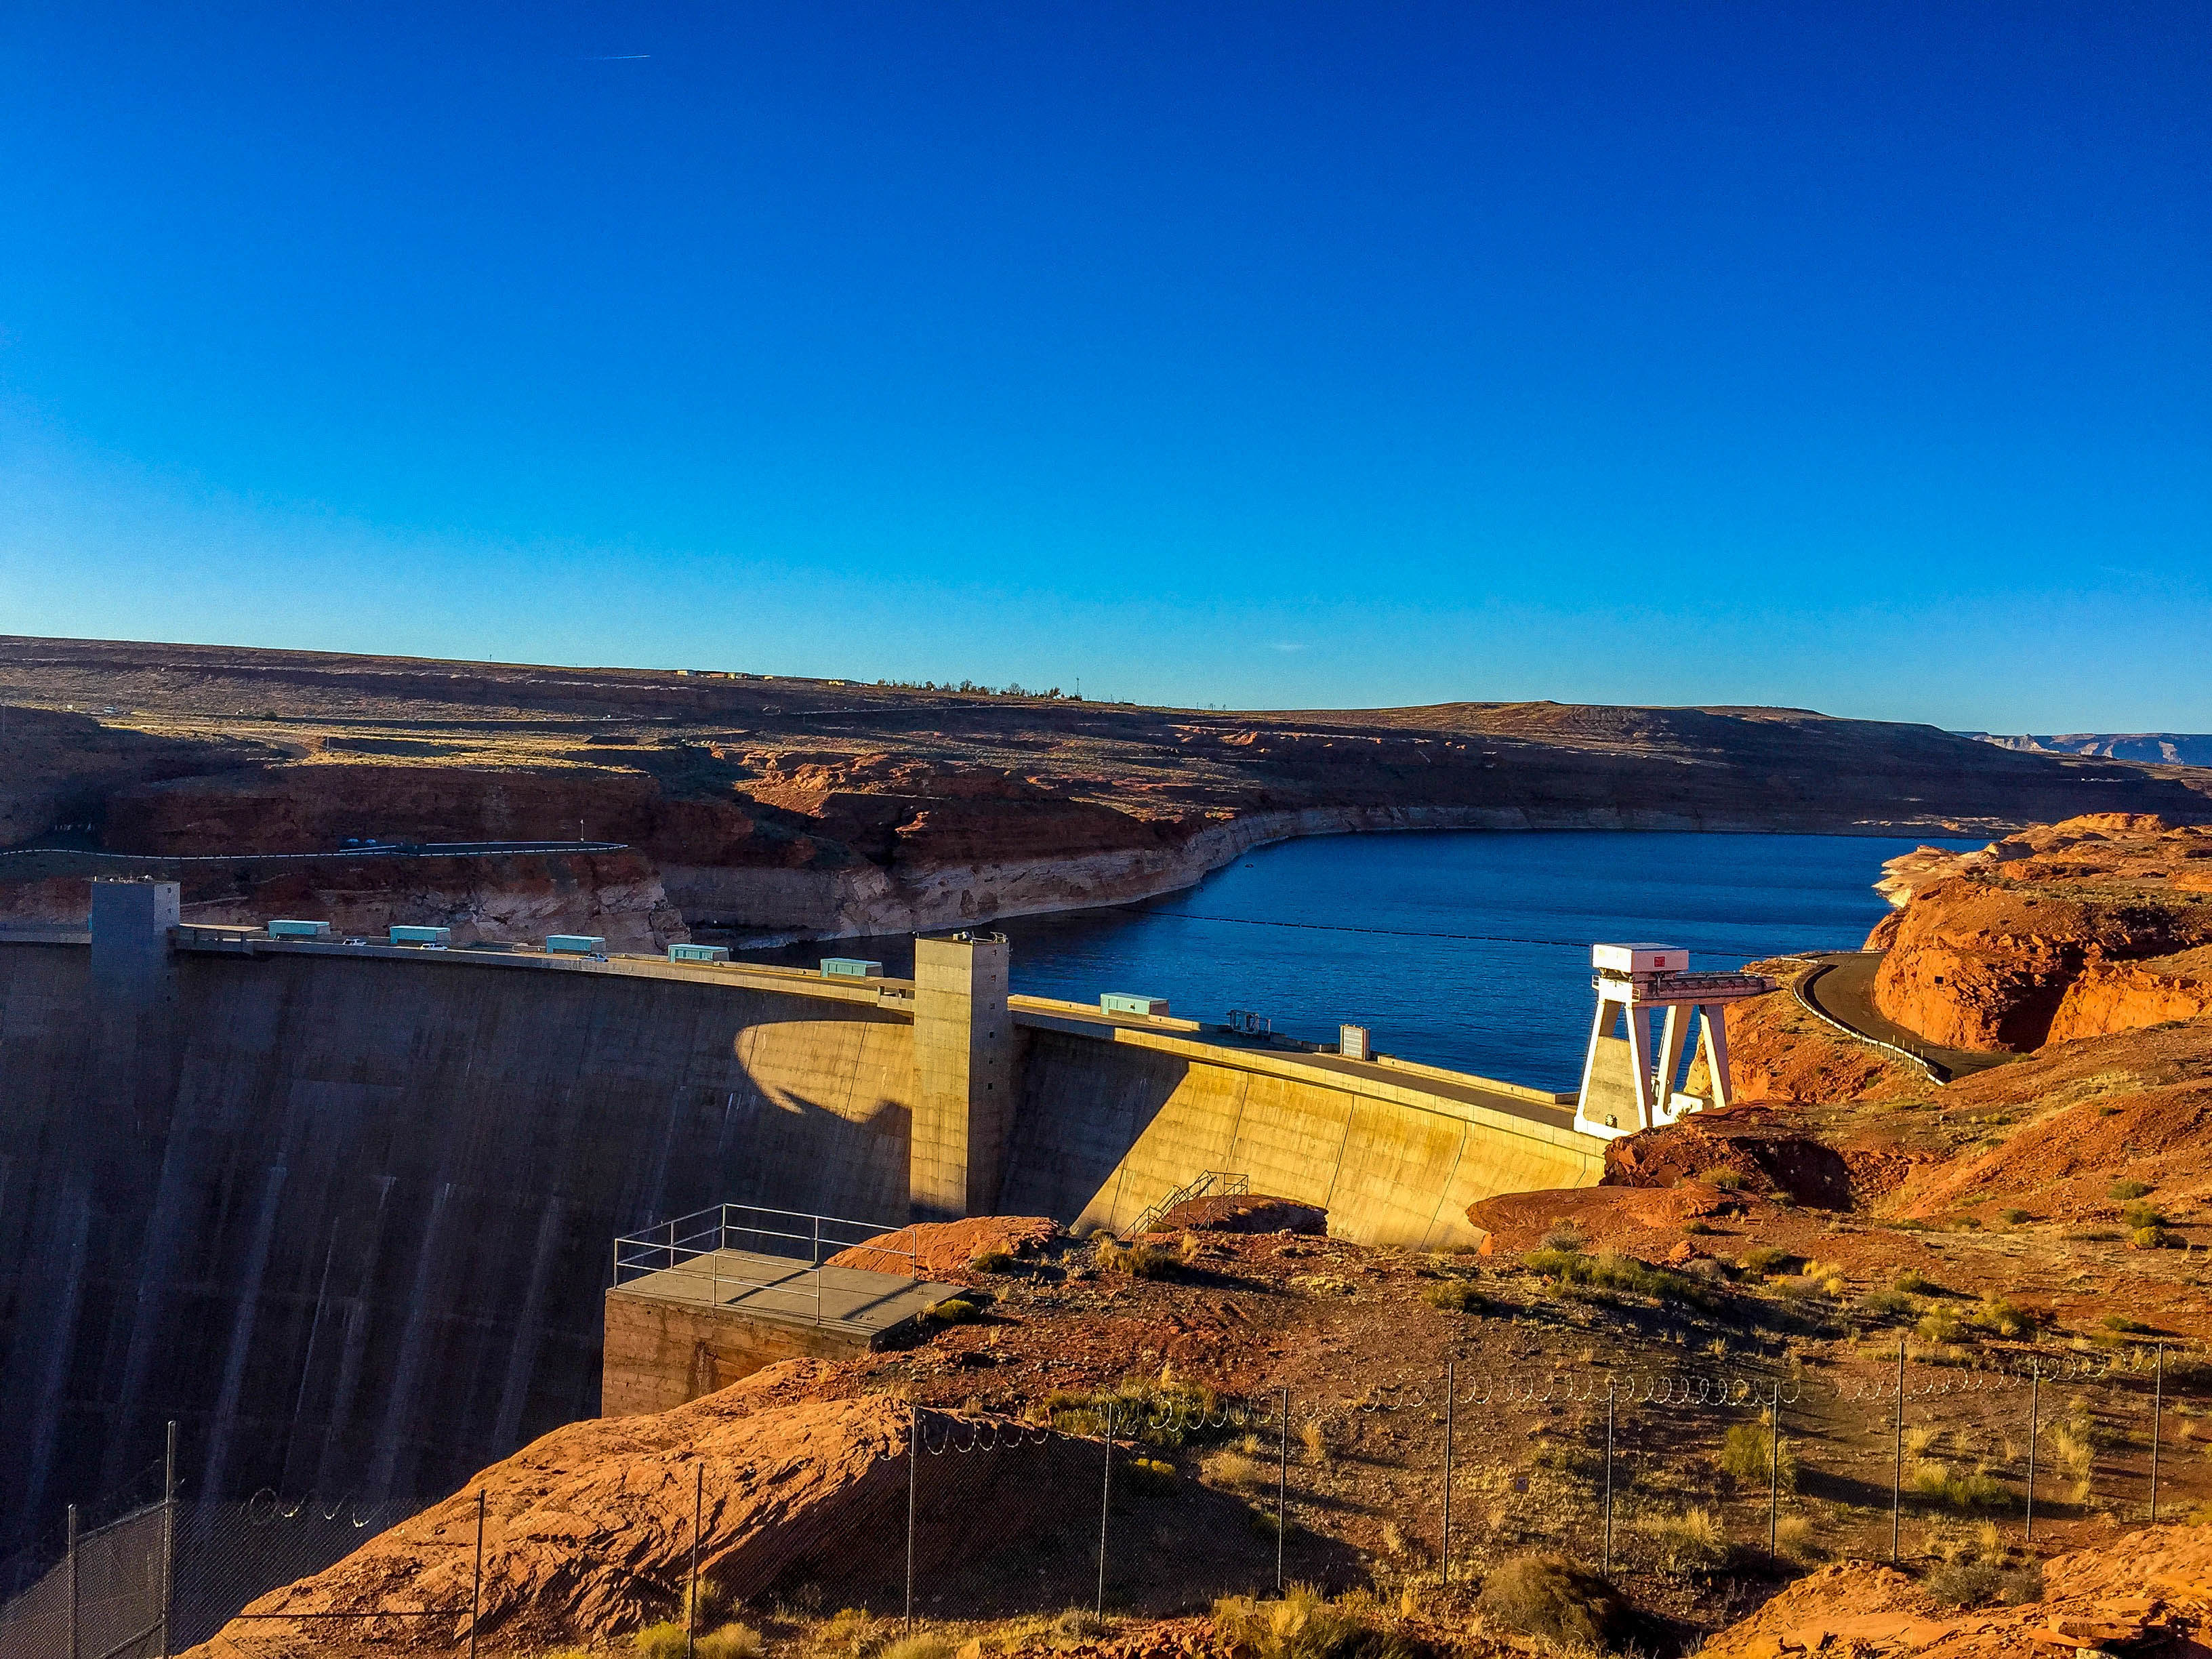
(347, 1217)
(358, 1241)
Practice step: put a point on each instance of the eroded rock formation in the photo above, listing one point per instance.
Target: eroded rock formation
(2094, 925)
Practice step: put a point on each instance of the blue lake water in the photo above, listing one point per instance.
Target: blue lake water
(1381, 925)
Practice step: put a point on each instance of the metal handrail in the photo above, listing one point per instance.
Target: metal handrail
(1227, 1184)
(675, 1245)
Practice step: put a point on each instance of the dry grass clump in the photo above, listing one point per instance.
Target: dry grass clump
(922, 1644)
(1693, 1541)
(1137, 1260)
(1454, 1296)
(1235, 1469)
(1977, 1567)
(1544, 1595)
(1303, 1624)
(1314, 1436)
(732, 1641)
(1751, 1455)
(665, 1640)
(1793, 1537)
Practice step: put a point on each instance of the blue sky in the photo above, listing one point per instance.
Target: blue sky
(1850, 356)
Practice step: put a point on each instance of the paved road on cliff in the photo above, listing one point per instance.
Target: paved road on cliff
(1842, 987)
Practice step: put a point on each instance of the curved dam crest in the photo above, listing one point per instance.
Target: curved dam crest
(347, 1213)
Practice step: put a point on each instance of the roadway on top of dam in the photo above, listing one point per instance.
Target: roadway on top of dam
(1385, 1076)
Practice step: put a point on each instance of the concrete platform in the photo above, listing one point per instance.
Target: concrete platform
(787, 1290)
(679, 1332)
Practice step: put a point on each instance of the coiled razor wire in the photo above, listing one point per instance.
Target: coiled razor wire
(265, 1508)
(1733, 1390)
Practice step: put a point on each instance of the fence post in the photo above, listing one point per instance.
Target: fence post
(913, 1463)
(1896, 1480)
(1606, 1570)
(698, 1520)
(1774, 1468)
(1282, 1489)
(2035, 1401)
(2157, 1410)
(72, 1582)
(169, 1530)
(1451, 1401)
(476, 1588)
(1105, 1496)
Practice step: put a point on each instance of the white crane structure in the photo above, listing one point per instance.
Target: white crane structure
(1628, 1085)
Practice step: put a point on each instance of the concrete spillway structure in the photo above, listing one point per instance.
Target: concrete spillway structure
(345, 1211)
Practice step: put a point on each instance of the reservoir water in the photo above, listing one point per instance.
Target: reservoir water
(1463, 949)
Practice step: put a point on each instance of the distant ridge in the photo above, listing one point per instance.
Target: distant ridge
(2172, 748)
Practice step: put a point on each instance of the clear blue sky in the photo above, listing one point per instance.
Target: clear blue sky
(1855, 356)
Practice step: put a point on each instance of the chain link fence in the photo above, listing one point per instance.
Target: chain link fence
(1158, 1498)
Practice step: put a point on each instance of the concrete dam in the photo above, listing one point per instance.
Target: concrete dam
(345, 1210)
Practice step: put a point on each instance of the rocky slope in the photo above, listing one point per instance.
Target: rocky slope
(2094, 925)
(781, 808)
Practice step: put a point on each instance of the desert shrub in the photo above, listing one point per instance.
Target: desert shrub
(1138, 1260)
(1081, 1625)
(1301, 1625)
(953, 1310)
(1149, 1474)
(1236, 1471)
(991, 1260)
(2154, 1238)
(1885, 1303)
(1692, 1541)
(2005, 1318)
(1545, 1595)
(1913, 1282)
(1939, 1325)
(1698, 1228)
(1454, 1296)
(2122, 1323)
(1315, 1438)
(1970, 1582)
(704, 1605)
(2073, 1448)
(731, 1640)
(1160, 1411)
(1975, 1490)
(1729, 1180)
(921, 1645)
(1763, 1259)
(1793, 1537)
(1615, 1272)
(2137, 1216)
(1750, 1453)
(2013, 1216)
(2127, 1188)
(1566, 1238)
(1189, 1248)
(665, 1640)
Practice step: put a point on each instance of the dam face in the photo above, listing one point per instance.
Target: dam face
(347, 1215)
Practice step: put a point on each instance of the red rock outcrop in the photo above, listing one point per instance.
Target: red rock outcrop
(2146, 1590)
(2051, 934)
(588, 1531)
(1249, 1213)
(933, 1249)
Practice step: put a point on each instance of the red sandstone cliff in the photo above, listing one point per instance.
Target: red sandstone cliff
(2094, 925)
